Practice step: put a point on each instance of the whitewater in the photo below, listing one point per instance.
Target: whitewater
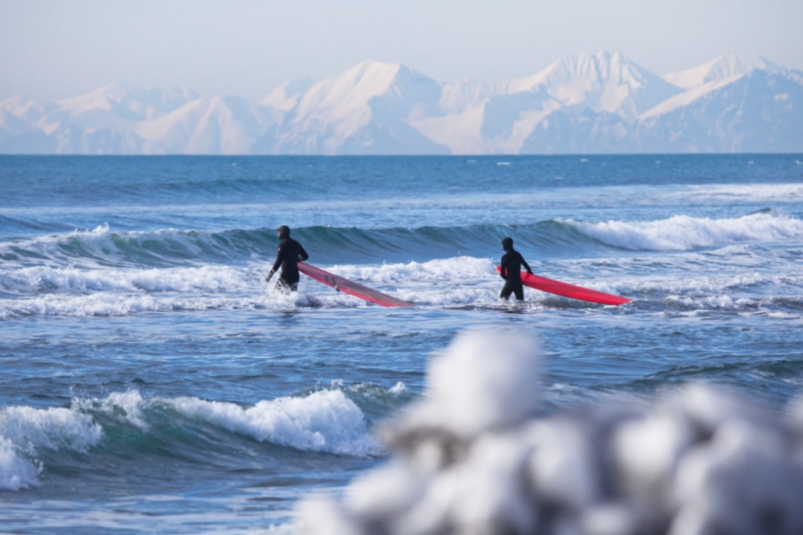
(152, 381)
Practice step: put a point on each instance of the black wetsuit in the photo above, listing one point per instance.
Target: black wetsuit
(287, 258)
(511, 272)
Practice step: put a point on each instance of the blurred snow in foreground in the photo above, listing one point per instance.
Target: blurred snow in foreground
(475, 456)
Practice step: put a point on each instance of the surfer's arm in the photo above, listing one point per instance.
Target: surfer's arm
(270, 273)
(302, 254)
(277, 264)
(503, 267)
(526, 266)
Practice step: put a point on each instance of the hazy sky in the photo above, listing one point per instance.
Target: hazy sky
(54, 48)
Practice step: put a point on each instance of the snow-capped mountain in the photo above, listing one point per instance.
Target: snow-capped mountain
(603, 82)
(286, 96)
(588, 103)
(26, 108)
(719, 69)
(219, 125)
(364, 110)
(126, 101)
(761, 111)
(523, 111)
(103, 121)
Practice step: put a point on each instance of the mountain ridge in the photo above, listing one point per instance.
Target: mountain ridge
(590, 103)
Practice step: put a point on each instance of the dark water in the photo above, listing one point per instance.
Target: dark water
(151, 381)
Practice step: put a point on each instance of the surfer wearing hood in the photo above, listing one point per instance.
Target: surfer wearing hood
(510, 269)
(289, 255)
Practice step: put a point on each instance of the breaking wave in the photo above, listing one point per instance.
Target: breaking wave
(104, 247)
(684, 233)
(323, 421)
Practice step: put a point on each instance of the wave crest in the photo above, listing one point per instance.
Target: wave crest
(684, 233)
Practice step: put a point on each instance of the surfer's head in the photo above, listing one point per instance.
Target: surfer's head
(284, 232)
(507, 244)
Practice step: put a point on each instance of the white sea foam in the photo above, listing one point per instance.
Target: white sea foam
(696, 285)
(106, 304)
(124, 406)
(325, 421)
(25, 431)
(456, 268)
(683, 233)
(15, 472)
(697, 461)
(118, 292)
(694, 278)
(112, 304)
(75, 280)
(52, 428)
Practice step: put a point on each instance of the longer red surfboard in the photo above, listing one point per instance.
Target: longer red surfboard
(569, 290)
(350, 287)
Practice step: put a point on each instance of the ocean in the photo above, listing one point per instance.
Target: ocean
(151, 381)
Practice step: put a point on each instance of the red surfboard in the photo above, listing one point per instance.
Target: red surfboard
(569, 290)
(350, 287)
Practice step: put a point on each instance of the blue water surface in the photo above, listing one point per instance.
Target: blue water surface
(152, 381)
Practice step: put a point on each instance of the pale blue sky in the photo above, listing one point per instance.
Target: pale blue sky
(54, 48)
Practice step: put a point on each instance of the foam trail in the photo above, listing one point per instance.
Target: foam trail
(698, 461)
(43, 279)
(458, 281)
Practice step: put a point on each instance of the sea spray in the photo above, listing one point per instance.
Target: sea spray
(26, 431)
(325, 421)
(15, 471)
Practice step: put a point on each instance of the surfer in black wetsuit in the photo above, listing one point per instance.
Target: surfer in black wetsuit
(511, 271)
(290, 254)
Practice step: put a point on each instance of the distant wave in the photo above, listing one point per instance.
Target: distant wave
(101, 272)
(125, 423)
(104, 247)
(683, 233)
